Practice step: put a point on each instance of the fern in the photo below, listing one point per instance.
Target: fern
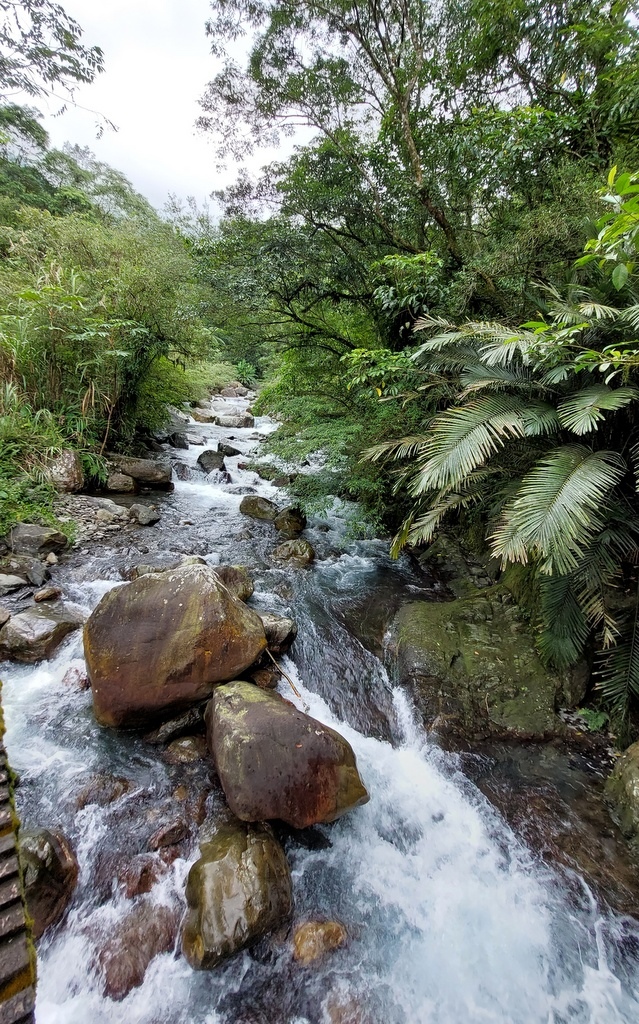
(582, 412)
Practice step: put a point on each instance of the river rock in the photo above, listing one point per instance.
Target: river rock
(28, 539)
(134, 940)
(228, 449)
(26, 566)
(237, 579)
(210, 461)
(177, 416)
(276, 762)
(145, 515)
(76, 677)
(473, 670)
(9, 583)
(5, 615)
(238, 891)
(149, 472)
(238, 420)
(316, 938)
(189, 721)
(204, 415)
(267, 677)
(186, 750)
(50, 872)
(160, 644)
(169, 834)
(622, 795)
(102, 790)
(257, 507)
(66, 472)
(298, 553)
(280, 631)
(47, 594)
(178, 440)
(37, 632)
(290, 522)
(121, 483)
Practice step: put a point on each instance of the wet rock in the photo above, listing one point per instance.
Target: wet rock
(139, 874)
(257, 507)
(298, 553)
(178, 440)
(280, 632)
(241, 419)
(622, 795)
(186, 750)
(121, 483)
(9, 583)
(148, 930)
(50, 875)
(102, 790)
(28, 539)
(276, 762)
(282, 481)
(237, 579)
(290, 522)
(238, 891)
(149, 472)
(182, 471)
(187, 722)
(47, 594)
(5, 615)
(228, 449)
(204, 415)
(344, 1009)
(37, 632)
(76, 678)
(169, 834)
(52, 558)
(266, 678)
(210, 461)
(160, 644)
(473, 669)
(66, 472)
(145, 515)
(27, 566)
(316, 938)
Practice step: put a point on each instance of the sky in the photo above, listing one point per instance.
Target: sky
(157, 66)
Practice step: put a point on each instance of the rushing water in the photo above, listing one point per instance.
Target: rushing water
(452, 920)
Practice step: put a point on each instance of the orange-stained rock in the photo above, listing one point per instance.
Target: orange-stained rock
(160, 644)
(316, 938)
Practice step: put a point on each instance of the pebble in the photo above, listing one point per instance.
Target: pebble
(47, 594)
(52, 558)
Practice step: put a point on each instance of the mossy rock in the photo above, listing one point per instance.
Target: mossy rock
(474, 670)
(622, 795)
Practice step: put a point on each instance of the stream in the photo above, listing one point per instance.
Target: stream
(455, 914)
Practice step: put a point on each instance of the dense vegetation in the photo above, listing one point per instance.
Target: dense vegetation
(452, 182)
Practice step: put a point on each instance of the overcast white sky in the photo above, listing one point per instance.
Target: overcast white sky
(157, 65)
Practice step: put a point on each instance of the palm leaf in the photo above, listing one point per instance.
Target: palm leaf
(557, 509)
(464, 437)
(582, 412)
(618, 674)
(480, 377)
(564, 626)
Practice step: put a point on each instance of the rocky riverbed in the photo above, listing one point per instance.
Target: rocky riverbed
(228, 866)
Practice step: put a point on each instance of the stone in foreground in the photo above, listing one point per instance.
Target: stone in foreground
(275, 762)
(37, 632)
(239, 890)
(290, 522)
(160, 644)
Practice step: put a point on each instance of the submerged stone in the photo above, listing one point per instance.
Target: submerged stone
(50, 875)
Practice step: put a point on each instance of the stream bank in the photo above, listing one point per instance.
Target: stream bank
(477, 884)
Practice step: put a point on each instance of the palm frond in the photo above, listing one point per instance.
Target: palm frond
(582, 412)
(557, 509)
(480, 377)
(564, 626)
(402, 448)
(464, 437)
(618, 672)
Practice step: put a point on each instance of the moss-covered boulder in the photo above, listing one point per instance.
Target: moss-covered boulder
(239, 890)
(275, 762)
(160, 644)
(290, 522)
(298, 553)
(474, 671)
(256, 507)
(622, 795)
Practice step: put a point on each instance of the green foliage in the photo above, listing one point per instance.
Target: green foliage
(595, 721)
(245, 372)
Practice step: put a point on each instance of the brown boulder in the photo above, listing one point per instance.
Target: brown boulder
(148, 930)
(102, 790)
(28, 539)
(237, 579)
(276, 762)
(186, 750)
(298, 553)
(316, 938)
(160, 644)
(258, 508)
(290, 522)
(50, 872)
(239, 890)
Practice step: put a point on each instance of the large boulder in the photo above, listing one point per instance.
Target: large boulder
(145, 515)
(66, 472)
(149, 472)
(204, 415)
(239, 890)
(622, 794)
(228, 449)
(258, 508)
(280, 631)
(210, 461)
(160, 644)
(37, 632)
(28, 539)
(276, 762)
(473, 669)
(298, 553)
(290, 522)
(50, 871)
(238, 420)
